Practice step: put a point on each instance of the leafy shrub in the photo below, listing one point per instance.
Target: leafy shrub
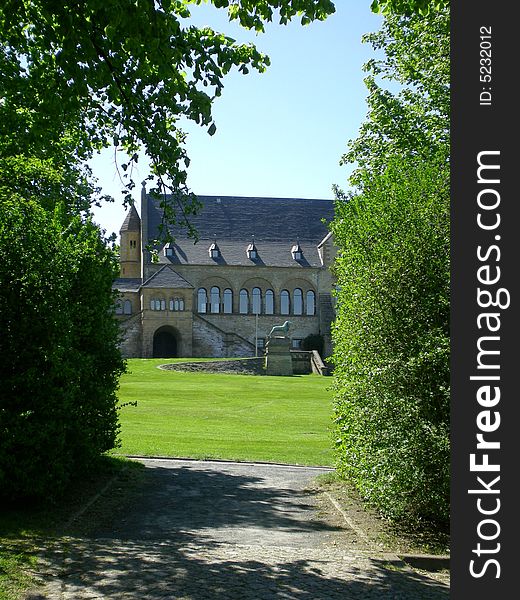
(59, 362)
(313, 341)
(392, 339)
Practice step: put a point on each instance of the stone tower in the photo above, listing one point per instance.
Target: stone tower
(130, 251)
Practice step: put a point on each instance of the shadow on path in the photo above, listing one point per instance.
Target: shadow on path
(207, 500)
(225, 534)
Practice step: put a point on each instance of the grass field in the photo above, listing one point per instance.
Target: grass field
(235, 417)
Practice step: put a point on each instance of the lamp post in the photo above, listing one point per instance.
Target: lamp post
(256, 335)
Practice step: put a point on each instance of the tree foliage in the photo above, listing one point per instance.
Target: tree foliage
(408, 7)
(125, 72)
(59, 361)
(408, 93)
(391, 335)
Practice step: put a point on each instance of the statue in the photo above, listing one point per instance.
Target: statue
(278, 359)
(283, 329)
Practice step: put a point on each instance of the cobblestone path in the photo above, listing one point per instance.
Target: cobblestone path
(225, 531)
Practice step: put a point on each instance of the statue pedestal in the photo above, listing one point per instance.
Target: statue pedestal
(278, 356)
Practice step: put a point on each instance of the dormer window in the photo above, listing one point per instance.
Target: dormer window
(214, 250)
(169, 252)
(252, 251)
(297, 252)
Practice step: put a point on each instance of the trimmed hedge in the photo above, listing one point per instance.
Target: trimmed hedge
(391, 407)
(59, 361)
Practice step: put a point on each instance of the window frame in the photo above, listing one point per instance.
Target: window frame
(214, 300)
(202, 308)
(243, 294)
(285, 295)
(256, 301)
(227, 301)
(269, 310)
(297, 305)
(310, 294)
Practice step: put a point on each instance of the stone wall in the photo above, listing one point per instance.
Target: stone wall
(178, 323)
(130, 336)
(301, 362)
(243, 366)
(211, 340)
(245, 325)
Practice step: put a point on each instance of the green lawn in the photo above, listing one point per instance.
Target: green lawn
(235, 417)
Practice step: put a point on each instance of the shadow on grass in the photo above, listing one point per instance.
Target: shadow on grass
(26, 527)
(172, 540)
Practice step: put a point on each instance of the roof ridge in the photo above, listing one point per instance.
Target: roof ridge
(159, 271)
(221, 196)
(154, 275)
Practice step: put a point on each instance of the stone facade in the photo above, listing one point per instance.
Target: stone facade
(258, 262)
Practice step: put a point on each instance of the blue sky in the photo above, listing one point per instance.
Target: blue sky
(280, 133)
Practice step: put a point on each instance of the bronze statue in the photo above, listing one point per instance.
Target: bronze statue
(283, 329)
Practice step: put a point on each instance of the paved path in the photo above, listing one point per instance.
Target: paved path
(226, 531)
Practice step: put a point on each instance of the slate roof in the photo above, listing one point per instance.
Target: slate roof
(232, 252)
(132, 221)
(238, 218)
(127, 285)
(166, 277)
(276, 224)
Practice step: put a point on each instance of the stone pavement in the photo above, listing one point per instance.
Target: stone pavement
(226, 531)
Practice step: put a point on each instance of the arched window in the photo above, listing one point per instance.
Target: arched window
(310, 308)
(297, 302)
(311, 303)
(127, 307)
(156, 304)
(244, 302)
(284, 302)
(228, 301)
(202, 300)
(176, 304)
(215, 299)
(119, 307)
(269, 302)
(257, 300)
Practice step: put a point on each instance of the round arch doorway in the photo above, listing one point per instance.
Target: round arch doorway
(165, 343)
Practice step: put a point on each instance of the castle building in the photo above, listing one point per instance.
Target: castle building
(258, 262)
